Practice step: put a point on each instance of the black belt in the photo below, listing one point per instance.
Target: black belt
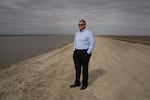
(81, 49)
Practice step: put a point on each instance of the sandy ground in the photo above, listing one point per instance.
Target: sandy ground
(118, 70)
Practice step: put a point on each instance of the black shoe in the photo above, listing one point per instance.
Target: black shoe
(74, 85)
(83, 87)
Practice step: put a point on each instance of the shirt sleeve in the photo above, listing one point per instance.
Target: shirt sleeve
(74, 43)
(91, 42)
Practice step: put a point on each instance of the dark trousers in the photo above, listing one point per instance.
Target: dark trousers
(81, 59)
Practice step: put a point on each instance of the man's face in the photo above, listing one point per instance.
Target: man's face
(81, 25)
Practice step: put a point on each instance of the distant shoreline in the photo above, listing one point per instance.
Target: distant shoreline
(134, 39)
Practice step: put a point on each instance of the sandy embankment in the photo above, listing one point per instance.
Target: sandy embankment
(119, 70)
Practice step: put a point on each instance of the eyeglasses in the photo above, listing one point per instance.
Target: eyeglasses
(81, 24)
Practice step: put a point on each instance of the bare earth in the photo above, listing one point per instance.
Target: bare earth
(118, 70)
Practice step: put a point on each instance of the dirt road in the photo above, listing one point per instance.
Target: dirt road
(118, 70)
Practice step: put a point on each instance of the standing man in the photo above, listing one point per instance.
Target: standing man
(83, 45)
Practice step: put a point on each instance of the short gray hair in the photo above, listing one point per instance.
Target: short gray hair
(83, 21)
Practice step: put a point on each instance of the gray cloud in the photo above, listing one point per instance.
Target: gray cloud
(62, 16)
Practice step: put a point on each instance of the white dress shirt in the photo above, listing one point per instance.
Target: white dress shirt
(84, 40)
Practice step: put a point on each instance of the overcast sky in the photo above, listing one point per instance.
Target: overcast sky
(119, 17)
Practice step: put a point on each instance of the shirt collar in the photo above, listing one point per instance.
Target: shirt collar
(83, 30)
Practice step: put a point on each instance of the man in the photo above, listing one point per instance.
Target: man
(83, 45)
